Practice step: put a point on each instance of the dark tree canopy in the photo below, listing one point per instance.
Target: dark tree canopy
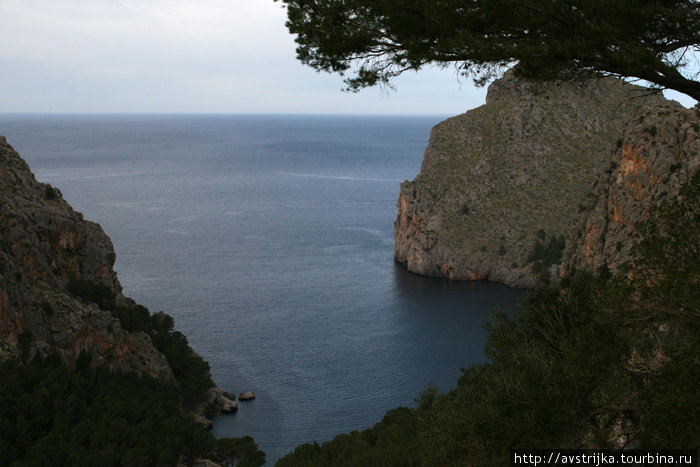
(376, 40)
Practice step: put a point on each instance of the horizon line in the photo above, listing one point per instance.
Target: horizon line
(358, 114)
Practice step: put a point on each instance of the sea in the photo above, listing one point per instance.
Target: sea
(269, 239)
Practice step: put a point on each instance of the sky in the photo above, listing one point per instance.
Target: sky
(187, 56)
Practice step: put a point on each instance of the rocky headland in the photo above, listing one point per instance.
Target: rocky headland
(59, 293)
(44, 243)
(502, 186)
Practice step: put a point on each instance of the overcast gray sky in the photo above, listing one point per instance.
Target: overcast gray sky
(232, 56)
(185, 56)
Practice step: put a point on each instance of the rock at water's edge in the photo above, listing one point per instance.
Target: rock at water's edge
(217, 401)
(246, 396)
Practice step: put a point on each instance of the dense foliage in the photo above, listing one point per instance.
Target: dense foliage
(591, 362)
(393, 441)
(52, 415)
(545, 252)
(242, 452)
(381, 39)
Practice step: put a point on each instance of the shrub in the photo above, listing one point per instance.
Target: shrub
(544, 255)
(50, 415)
(242, 452)
(100, 294)
(50, 193)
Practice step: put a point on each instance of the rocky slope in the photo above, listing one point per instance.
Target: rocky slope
(51, 260)
(44, 243)
(515, 171)
(658, 152)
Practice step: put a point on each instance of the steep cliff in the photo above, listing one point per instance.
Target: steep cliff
(89, 376)
(501, 177)
(44, 244)
(658, 153)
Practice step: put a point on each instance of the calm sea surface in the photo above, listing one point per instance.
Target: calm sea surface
(270, 240)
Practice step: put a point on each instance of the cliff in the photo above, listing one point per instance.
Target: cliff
(500, 178)
(657, 154)
(89, 376)
(44, 244)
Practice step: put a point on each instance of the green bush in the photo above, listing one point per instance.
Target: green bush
(51, 415)
(391, 442)
(543, 255)
(243, 452)
(96, 292)
(50, 193)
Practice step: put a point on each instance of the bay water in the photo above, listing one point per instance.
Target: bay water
(270, 239)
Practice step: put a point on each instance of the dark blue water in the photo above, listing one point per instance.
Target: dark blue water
(270, 240)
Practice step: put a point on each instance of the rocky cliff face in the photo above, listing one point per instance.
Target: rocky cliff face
(43, 244)
(658, 152)
(498, 178)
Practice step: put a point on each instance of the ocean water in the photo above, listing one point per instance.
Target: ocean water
(270, 240)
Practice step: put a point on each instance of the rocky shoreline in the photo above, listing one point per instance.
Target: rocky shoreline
(217, 401)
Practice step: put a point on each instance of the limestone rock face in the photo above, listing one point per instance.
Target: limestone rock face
(658, 153)
(493, 177)
(43, 244)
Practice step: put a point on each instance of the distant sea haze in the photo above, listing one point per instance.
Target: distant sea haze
(270, 240)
